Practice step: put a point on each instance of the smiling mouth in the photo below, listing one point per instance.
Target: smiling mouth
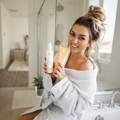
(74, 46)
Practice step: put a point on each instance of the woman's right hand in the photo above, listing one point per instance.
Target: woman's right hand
(58, 71)
(51, 74)
(45, 68)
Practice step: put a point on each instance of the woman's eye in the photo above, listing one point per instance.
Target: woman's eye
(81, 38)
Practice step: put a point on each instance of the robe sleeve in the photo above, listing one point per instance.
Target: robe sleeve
(67, 96)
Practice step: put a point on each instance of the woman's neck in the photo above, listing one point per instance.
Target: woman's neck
(78, 56)
(76, 60)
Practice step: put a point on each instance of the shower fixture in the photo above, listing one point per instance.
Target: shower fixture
(60, 7)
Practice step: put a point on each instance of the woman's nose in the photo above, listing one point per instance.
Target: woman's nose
(75, 40)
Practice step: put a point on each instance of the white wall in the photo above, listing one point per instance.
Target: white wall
(17, 29)
(0, 41)
(4, 36)
(1, 55)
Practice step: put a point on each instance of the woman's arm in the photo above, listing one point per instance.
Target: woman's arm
(65, 95)
(71, 97)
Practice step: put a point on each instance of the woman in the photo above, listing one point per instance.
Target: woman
(75, 84)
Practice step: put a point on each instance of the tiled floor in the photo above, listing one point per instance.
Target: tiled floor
(6, 100)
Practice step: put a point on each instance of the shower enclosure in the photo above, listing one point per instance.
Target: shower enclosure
(45, 30)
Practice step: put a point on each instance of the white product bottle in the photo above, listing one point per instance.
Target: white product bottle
(49, 58)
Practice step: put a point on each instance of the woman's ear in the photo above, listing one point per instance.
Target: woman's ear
(92, 42)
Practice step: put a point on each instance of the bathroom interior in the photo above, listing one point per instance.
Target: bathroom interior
(47, 21)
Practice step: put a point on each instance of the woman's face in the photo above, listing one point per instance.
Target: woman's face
(78, 39)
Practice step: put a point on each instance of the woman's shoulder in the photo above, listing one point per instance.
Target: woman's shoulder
(87, 65)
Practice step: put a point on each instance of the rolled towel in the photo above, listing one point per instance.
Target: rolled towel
(62, 55)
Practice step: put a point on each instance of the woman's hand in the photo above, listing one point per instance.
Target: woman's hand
(58, 71)
(45, 68)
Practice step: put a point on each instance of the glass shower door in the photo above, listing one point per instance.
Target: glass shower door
(45, 30)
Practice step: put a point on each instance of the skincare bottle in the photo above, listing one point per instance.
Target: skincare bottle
(49, 58)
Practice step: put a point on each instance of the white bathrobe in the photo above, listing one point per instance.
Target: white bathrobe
(69, 98)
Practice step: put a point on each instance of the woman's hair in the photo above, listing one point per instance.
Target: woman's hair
(94, 20)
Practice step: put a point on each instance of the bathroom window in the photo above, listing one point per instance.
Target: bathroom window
(104, 49)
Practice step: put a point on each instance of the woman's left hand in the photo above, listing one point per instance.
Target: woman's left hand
(58, 71)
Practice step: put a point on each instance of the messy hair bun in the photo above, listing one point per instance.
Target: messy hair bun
(96, 13)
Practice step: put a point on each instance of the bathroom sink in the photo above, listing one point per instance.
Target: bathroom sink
(106, 113)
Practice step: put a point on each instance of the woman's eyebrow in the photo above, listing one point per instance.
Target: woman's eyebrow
(78, 34)
(82, 35)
